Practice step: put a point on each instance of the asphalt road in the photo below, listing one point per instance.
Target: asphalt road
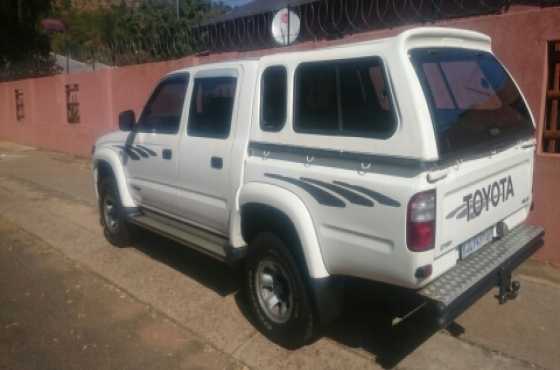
(70, 300)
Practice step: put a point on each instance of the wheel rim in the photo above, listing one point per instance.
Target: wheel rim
(274, 291)
(110, 214)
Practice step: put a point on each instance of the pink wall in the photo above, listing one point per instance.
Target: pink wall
(519, 39)
(45, 124)
(102, 95)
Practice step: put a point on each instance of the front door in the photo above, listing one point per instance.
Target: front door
(205, 161)
(151, 155)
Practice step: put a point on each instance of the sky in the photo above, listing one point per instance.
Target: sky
(234, 2)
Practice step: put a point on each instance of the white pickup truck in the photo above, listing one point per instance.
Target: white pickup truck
(406, 161)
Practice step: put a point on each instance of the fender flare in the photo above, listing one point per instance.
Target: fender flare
(293, 207)
(113, 159)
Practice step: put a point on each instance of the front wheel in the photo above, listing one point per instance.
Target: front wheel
(277, 294)
(113, 218)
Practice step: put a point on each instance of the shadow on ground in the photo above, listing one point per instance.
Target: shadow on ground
(211, 273)
(365, 324)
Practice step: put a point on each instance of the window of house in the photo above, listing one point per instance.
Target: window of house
(20, 109)
(162, 113)
(274, 98)
(212, 107)
(551, 129)
(72, 103)
(346, 97)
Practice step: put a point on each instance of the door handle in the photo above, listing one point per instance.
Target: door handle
(217, 163)
(166, 153)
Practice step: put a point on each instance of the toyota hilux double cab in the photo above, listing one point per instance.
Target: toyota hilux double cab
(406, 161)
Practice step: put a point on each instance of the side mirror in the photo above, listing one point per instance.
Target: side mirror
(127, 119)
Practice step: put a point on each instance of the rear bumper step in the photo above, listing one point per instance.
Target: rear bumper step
(456, 290)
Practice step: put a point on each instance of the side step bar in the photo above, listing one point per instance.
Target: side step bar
(211, 244)
(456, 290)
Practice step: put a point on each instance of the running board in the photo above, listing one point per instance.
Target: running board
(211, 244)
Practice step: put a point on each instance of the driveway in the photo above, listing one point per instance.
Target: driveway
(47, 200)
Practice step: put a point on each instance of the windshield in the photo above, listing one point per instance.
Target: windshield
(473, 101)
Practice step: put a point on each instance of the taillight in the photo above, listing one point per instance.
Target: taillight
(421, 221)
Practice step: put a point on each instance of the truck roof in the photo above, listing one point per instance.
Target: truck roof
(415, 37)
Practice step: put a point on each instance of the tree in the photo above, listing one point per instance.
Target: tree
(126, 34)
(24, 48)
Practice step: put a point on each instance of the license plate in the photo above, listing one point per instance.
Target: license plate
(476, 242)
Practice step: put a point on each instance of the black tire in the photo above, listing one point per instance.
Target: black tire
(118, 234)
(299, 328)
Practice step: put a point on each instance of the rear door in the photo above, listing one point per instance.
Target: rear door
(485, 134)
(205, 150)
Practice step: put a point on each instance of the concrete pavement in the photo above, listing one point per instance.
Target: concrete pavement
(50, 196)
(55, 314)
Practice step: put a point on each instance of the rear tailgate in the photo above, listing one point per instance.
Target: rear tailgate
(484, 129)
(479, 193)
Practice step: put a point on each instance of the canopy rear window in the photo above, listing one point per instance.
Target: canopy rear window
(473, 100)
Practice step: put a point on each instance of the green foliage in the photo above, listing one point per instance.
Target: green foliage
(24, 48)
(125, 35)
(116, 35)
(82, 31)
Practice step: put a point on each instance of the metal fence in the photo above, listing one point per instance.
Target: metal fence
(319, 20)
(328, 19)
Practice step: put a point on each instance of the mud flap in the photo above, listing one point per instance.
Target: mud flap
(328, 298)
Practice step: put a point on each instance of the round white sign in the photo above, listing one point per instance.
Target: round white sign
(285, 27)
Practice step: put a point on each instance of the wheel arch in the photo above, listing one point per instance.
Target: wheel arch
(261, 204)
(107, 163)
(288, 210)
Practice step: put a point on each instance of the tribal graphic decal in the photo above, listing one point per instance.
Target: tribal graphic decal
(459, 212)
(344, 192)
(137, 152)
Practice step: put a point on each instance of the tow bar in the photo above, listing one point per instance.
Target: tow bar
(508, 290)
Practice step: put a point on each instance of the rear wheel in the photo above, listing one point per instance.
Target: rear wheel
(113, 218)
(277, 294)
